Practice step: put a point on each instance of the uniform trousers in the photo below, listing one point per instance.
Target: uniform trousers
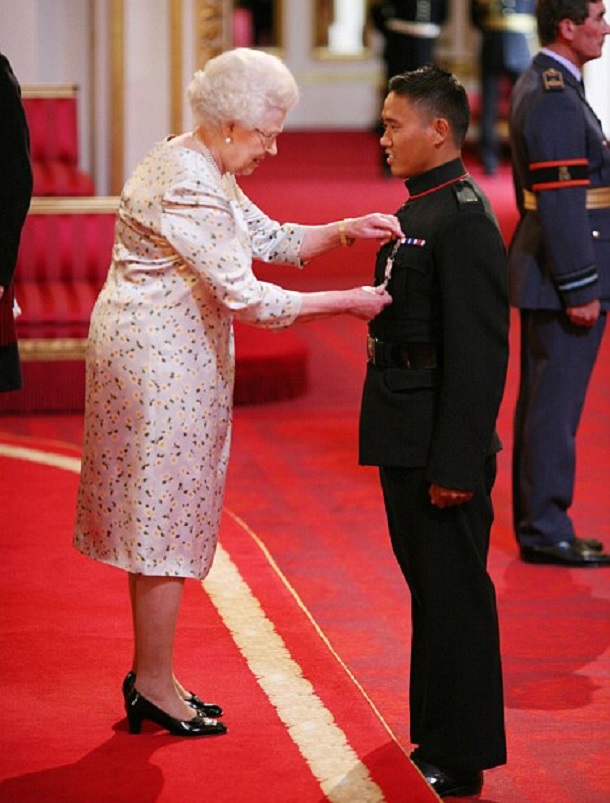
(456, 694)
(491, 86)
(557, 360)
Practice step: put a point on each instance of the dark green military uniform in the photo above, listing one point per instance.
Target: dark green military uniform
(436, 373)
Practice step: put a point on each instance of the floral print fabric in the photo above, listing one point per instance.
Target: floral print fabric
(160, 364)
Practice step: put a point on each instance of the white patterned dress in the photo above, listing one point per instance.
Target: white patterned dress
(160, 364)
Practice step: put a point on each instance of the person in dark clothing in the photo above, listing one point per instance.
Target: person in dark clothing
(437, 360)
(15, 195)
(410, 29)
(508, 31)
(559, 274)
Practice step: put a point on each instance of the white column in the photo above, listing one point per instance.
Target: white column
(345, 33)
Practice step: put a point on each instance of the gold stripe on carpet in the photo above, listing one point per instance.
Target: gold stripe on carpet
(334, 763)
(310, 724)
(306, 612)
(38, 456)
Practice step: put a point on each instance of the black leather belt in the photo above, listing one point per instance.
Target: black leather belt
(401, 355)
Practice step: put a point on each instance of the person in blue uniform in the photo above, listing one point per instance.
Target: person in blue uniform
(508, 29)
(559, 268)
(15, 195)
(437, 359)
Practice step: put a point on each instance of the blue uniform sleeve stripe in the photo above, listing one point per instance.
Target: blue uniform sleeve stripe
(576, 281)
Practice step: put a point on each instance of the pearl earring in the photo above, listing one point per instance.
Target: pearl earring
(228, 140)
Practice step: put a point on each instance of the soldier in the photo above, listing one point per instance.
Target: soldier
(410, 29)
(559, 269)
(436, 372)
(508, 29)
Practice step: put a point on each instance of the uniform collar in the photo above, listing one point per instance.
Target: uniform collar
(572, 68)
(435, 179)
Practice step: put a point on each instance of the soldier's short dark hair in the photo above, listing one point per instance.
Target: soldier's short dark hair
(439, 93)
(549, 14)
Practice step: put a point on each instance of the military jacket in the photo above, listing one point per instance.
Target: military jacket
(560, 254)
(448, 285)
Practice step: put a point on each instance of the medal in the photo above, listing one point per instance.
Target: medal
(387, 273)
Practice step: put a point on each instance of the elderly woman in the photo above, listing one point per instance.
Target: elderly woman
(161, 362)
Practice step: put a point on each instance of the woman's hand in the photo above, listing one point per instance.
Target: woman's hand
(375, 226)
(362, 302)
(369, 302)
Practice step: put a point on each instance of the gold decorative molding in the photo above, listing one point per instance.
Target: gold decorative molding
(92, 88)
(73, 205)
(52, 349)
(313, 78)
(210, 30)
(326, 54)
(117, 85)
(176, 58)
(278, 26)
(49, 91)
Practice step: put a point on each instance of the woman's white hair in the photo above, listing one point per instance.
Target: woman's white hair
(241, 86)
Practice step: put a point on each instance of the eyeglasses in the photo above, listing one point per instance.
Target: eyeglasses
(267, 140)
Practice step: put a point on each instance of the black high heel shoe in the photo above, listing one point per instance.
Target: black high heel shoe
(207, 709)
(138, 708)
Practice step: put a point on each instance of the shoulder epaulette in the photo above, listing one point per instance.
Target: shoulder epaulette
(465, 194)
(552, 80)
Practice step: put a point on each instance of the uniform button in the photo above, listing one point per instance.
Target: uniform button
(595, 234)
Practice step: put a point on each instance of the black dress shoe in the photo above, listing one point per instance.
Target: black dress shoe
(575, 553)
(138, 708)
(448, 783)
(207, 709)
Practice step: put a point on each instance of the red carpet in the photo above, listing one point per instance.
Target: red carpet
(325, 519)
(294, 481)
(305, 731)
(295, 485)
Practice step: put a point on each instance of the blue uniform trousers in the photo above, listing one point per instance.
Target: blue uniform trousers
(557, 360)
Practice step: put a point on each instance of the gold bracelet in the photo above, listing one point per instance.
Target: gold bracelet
(345, 241)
